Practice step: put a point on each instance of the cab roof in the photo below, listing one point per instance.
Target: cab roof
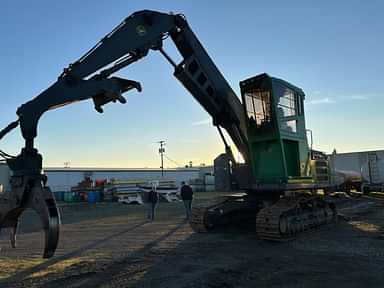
(261, 78)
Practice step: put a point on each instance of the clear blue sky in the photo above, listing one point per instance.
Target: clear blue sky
(333, 50)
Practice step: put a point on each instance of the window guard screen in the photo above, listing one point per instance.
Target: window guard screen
(287, 103)
(258, 105)
(287, 107)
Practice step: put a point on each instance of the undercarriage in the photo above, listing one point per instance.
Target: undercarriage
(278, 220)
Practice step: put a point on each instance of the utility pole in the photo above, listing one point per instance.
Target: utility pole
(162, 151)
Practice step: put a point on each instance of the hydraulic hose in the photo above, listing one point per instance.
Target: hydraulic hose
(9, 128)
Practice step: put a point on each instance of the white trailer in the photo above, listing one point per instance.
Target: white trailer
(370, 164)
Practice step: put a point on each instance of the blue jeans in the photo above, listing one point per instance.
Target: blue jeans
(151, 211)
(188, 208)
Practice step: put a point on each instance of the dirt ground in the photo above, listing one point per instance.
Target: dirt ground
(110, 245)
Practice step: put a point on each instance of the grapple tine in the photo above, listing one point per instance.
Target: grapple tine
(44, 204)
(40, 199)
(10, 220)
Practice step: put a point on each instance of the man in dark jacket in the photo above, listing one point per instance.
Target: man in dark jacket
(151, 198)
(187, 196)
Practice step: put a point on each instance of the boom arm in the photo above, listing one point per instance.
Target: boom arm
(84, 79)
(127, 43)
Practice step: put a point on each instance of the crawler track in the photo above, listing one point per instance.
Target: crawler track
(291, 216)
(280, 221)
(200, 220)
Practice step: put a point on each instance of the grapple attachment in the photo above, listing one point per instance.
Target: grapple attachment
(29, 190)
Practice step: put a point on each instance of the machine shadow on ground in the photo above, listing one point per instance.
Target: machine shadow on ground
(346, 254)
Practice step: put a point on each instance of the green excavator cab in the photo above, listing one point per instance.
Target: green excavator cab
(276, 130)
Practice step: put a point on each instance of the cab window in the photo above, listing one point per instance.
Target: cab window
(258, 105)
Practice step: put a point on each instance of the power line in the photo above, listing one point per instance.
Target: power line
(162, 154)
(173, 161)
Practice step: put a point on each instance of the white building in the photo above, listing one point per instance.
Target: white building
(62, 179)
